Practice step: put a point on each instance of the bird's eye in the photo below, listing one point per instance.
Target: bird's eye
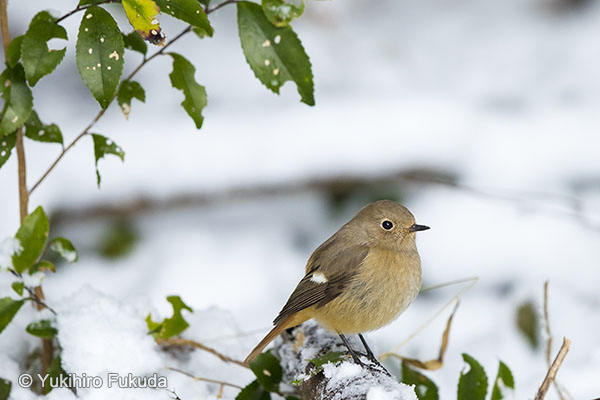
(387, 225)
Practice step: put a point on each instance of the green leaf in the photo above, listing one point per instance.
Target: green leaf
(282, 12)
(268, 371)
(275, 54)
(40, 266)
(134, 41)
(7, 143)
(182, 78)
(99, 54)
(8, 309)
(65, 248)
(504, 380)
(118, 240)
(528, 323)
(472, 385)
(38, 59)
(32, 236)
(127, 91)
(89, 2)
(18, 287)
(13, 53)
(40, 132)
(424, 387)
(142, 16)
(331, 357)
(102, 147)
(42, 329)
(5, 386)
(176, 324)
(254, 391)
(54, 373)
(153, 327)
(18, 100)
(189, 11)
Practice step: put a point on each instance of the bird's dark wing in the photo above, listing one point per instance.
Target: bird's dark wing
(337, 269)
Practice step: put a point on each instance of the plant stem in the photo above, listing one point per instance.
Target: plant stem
(81, 8)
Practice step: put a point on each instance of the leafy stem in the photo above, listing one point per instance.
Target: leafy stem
(82, 8)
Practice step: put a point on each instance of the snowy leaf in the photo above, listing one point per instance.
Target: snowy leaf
(425, 389)
(472, 385)
(32, 236)
(13, 53)
(65, 248)
(40, 266)
(254, 391)
(40, 132)
(7, 143)
(170, 326)
(18, 100)
(331, 357)
(182, 78)
(102, 147)
(38, 59)
(504, 380)
(5, 386)
(8, 309)
(282, 12)
(127, 91)
(133, 41)
(42, 329)
(142, 16)
(275, 54)
(189, 11)
(99, 54)
(18, 287)
(268, 371)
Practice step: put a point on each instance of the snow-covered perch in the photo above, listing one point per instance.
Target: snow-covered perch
(341, 381)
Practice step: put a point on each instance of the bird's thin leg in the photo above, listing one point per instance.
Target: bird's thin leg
(351, 351)
(370, 354)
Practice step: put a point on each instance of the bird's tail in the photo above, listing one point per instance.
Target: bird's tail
(289, 322)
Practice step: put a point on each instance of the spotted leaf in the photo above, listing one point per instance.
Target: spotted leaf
(142, 16)
(38, 59)
(7, 143)
(99, 54)
(182, 78)
(282, 12)
(275, 54)
(18, 100)
(189, 11)
(102, 147)
(40, 132)
(127, 91)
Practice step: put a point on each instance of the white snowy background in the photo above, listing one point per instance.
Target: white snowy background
(502, 94)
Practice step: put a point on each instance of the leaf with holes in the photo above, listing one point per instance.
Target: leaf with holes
(503, 383)
(425, 389)
(128, 91)
(182, 78)
(253, 391)
(142, 16)
(282, 12)
(275, 54)
(13, 53)
(170, 326)
(18, 100)
(40, 132)
(65, 248)
(268, 371)
(472, 384)
(8, 309)
(38, 59)
(102, 147)
(32, 236)
(189, 11)
(99, 54)
(7, 143)
(133, 41)
(42, 329)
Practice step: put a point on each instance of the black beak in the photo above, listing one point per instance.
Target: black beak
(416, 228)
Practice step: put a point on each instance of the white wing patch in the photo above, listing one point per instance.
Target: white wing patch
(318, 277)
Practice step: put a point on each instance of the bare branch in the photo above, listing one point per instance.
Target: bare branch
(551, 374)
(192, 343)
(209, 380)
(82, 8)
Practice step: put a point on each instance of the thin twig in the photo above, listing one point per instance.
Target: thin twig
(82, 8)
(192, 343)
(209, 380)
(557, 386)
(223, 4)
(37, 300)
(551, 374)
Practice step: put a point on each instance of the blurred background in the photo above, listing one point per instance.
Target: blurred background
(480, 116)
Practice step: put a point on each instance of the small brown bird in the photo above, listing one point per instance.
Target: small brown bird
(360, 279)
